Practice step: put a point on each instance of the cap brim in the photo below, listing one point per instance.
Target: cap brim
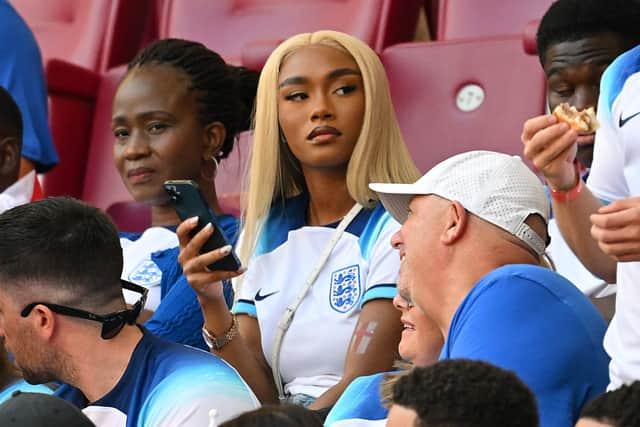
(396, 198)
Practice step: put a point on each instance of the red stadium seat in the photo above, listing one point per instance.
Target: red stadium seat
(230, 27)
(456, 96)
(86, 168)
(96, 34)
(484, 18)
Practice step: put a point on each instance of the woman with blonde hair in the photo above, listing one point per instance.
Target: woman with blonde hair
(314, 309)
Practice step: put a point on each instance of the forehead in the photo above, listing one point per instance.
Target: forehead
(152, 87)
(595, 50)
(315, 60)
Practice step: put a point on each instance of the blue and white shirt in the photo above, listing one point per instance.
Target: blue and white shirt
(363, 266)
(168, 384)
(615, 174)
(151, 260)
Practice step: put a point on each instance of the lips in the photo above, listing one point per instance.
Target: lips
(323, 133)
(407, 325)
(139, 174)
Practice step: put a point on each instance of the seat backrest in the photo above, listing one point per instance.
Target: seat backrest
(230, 26)
(484, 18)
(457, 96)
(95, 34)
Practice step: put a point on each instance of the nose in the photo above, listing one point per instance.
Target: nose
(586, 96)
(396, 240)
(137, 146)
(322, 109)
(399, 303)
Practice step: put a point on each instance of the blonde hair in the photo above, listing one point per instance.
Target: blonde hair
(380, 154)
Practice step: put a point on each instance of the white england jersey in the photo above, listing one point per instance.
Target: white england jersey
(363, 266)
(615, 174)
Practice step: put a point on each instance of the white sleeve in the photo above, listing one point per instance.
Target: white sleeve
(384, 263)
(606, 178)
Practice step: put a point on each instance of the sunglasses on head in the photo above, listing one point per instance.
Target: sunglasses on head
(112, 323)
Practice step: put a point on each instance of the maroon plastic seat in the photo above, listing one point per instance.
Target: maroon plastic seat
(484, 18)
(456, 96)
(96, 34)
(233, 27)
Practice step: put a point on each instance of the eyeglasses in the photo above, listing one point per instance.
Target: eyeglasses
(112, 323)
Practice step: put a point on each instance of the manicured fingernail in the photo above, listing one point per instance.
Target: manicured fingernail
(208, 227)
(225, 249)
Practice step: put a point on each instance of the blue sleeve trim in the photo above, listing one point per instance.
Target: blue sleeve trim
(244, 306)
(371, 233)
(385, 291)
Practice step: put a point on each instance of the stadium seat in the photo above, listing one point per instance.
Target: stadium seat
(95, 34)
(231, 27)
(529, 32)
(81, 102)
(456, 96)
(459, 19)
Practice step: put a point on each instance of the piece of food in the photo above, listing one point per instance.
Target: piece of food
(584, 122)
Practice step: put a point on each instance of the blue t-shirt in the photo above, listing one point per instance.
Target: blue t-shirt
(167, 384)
(534, 322)
(360, 403)
(179, 318)
(21, 73)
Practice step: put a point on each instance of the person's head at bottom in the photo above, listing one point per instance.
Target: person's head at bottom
(41, 410)
(276, 416)
(462, 393)
(617, 408)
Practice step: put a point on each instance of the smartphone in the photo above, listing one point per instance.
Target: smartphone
(186, 198)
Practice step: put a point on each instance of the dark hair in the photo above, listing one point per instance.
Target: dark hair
(64, 245)
(620, 408)
(276, 416)
(466, 393)
(10, 117)
(226, 93)
(571, 20)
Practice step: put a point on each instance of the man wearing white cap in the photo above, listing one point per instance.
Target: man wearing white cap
(473, 235)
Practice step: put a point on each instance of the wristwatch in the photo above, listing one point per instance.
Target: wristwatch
(216, 343)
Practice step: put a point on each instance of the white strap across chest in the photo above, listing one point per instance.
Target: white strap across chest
(287, 316)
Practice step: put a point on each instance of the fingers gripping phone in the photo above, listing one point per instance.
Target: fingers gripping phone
(188, 202)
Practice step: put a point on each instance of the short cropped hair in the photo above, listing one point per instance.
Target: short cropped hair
(10, 117)
(620, 408)
(571, 20)
(466, 393)
(63, 246)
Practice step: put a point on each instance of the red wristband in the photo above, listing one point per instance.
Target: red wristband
(572, 194)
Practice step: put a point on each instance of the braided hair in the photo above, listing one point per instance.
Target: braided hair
(225, 93)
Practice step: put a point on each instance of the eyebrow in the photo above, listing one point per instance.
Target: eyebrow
(144, 116)
(298, 80)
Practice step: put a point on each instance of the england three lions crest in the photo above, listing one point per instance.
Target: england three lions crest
(345, 288)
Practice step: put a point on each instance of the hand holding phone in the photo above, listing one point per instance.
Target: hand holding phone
(188, 202)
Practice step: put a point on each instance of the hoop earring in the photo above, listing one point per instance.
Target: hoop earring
(215, 162)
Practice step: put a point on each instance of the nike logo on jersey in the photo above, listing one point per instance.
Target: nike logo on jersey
(624, 121)
(261, 297)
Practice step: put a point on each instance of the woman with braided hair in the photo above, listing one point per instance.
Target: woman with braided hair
(176, 114)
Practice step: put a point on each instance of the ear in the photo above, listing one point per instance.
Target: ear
(457, 219)
(215, 134)
(9, 156)
(44, 321)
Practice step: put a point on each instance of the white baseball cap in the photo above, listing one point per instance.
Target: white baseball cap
(496, 187)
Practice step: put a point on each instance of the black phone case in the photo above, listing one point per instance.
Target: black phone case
(189, 202)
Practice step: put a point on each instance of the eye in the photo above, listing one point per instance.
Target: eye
(120, 133)
(156, 128)
(344, 90)
(296, 96)
(563, 91)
